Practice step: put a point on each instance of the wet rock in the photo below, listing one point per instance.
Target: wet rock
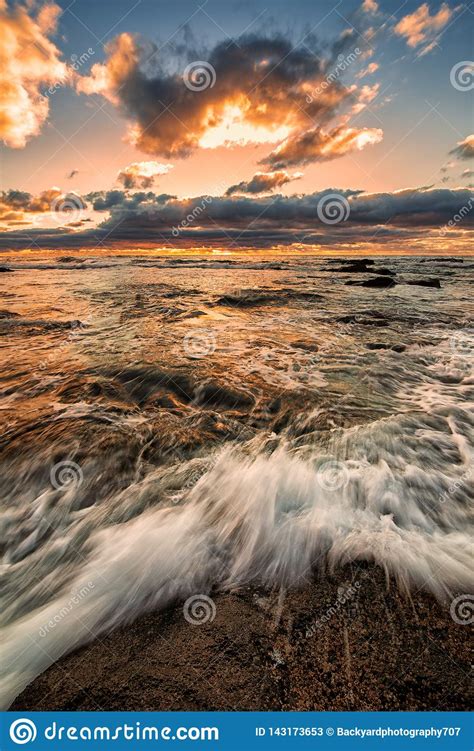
(215, 394)
(377, 282)
(425, 283)
(143, 381)
(352, 261)
(248, 299)
(382, 345)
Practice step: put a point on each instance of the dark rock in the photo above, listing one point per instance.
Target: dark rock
(352, 261)
(425, 283)
(4, 269)
(9, 314)
(381, 345)
(212, 393)
(380, 282)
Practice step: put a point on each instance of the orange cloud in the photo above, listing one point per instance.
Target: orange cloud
(370, 6)
(18, 206)
(252, 91)
(264, 182)
(28, 60)
(142, 174)
(465, 148)
(371, 68)
(419, 27)
(318, 146)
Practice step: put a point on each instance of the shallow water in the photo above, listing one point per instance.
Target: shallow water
(177, 426)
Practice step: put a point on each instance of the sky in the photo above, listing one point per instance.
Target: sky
(296, 126)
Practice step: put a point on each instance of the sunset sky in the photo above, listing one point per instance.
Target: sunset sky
(141, 123)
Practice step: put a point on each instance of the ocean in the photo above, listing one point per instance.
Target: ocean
(175, 427)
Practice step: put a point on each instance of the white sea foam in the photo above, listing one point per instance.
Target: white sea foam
(269, 519)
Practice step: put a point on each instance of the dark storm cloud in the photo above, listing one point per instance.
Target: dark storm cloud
(298, 218)
(266, 79)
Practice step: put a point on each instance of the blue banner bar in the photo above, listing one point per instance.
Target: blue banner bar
(235, 730)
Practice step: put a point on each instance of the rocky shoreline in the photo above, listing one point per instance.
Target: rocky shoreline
(345, 642)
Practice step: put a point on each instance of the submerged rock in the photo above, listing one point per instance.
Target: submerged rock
(382, 345)
(380, 282)
(425, 283)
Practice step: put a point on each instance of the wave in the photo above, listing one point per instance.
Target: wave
(394, 493)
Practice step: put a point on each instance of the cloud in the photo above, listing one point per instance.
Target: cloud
(263, 182)
(318, 146)
(28, 61)
(370, 6)
(142, 174)
(263, 221)
(371, 68)
(420, 27)
(465, 148)
(253, 90)
(19, 206)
